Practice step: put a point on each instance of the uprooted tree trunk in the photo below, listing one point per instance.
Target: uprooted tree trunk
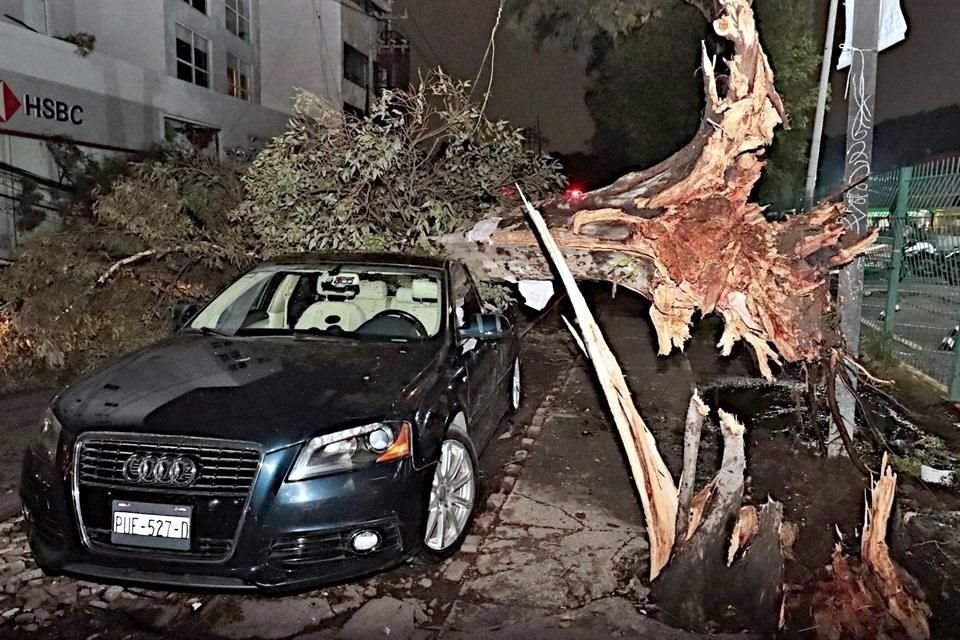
(684, 235)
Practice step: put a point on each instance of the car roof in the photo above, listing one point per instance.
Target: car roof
(392, 259)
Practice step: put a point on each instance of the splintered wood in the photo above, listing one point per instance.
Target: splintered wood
(872, 597)
(658, 494)
(684, 572)
(684, 235)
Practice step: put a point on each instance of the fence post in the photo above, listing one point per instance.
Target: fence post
(896, 258)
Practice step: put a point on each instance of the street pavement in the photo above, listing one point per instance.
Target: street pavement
(926, 315)
(558, 550)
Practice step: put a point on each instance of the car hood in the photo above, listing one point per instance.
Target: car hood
(274, 391)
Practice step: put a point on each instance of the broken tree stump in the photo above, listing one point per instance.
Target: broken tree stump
(873, 596)
(716, 554)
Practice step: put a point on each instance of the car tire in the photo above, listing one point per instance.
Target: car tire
(516, 389)
(449, 502)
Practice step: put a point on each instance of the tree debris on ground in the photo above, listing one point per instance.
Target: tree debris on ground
(872, 596)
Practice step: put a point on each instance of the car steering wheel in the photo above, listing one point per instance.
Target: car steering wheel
(410, 321)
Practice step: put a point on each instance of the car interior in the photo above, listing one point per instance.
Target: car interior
(347, 301)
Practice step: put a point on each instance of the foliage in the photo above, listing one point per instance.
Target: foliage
(645, 95)
(496, 296)
(787, 29)
(56, 319)
(27, 214)
(422, 164)
(578, 23)
(85, 42)
(181, 205)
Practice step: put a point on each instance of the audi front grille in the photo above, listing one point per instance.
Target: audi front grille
(214, 477)
(220, 470)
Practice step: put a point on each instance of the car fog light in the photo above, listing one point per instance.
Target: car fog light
(365, 541)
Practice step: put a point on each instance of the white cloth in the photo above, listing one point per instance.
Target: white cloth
(893, 29)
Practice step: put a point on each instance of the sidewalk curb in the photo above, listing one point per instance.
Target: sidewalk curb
(485, 522)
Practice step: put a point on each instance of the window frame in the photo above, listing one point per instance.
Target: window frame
(192, 62)
(461, 281)
(244, 74)
(204, 3)
(232, 10)
(351, 51)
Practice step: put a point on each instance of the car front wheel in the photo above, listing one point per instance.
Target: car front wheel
(453, 496)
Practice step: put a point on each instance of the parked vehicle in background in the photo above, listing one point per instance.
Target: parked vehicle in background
(318, 420)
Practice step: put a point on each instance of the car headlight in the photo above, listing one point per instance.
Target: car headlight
(351, 448)
(45, 446)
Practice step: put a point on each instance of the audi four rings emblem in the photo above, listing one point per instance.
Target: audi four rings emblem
(177, 471)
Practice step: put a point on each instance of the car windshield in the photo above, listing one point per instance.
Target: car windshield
(329, 300)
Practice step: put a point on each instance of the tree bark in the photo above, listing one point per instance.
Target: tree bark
(689, 591)
(696, 413)
(653, 481)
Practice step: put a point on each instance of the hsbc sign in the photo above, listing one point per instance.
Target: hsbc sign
(37, 106)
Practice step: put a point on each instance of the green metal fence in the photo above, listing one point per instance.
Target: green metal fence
(912, 275)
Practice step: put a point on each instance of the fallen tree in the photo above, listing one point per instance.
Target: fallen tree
(685, 235)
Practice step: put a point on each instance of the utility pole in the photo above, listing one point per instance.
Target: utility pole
(814, 162)
(861, 86)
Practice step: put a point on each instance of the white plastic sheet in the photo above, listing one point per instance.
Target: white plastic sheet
(893, 29)
(536, 293)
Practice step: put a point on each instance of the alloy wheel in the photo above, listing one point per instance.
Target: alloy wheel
(451, 497)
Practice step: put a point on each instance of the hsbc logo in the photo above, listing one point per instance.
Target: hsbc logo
(37, 107)
(9, 102)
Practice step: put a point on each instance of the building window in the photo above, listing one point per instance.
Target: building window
(199, 5)
(193, 57)
(238, 18)
(192, 135)
(355, 66)
(238, 78)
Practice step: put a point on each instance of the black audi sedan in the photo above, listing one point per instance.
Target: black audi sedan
(318, 420)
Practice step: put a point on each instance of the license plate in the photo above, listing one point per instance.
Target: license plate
(146, 524)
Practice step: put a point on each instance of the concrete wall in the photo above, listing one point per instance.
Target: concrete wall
(301, 46)
(360, 32)
(125, 29)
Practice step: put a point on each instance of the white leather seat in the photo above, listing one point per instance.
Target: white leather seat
(372, 298)
(326, 313)
(422, 300)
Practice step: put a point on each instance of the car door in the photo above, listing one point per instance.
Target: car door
(481, 359)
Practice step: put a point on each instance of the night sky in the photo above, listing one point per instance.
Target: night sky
(527, 83)
(918, 75)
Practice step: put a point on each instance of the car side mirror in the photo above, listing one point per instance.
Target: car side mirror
(183, 313)
(485, 327)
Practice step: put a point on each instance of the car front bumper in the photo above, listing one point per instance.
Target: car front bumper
(292, 534)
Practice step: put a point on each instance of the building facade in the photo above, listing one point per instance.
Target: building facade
(121, 76)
